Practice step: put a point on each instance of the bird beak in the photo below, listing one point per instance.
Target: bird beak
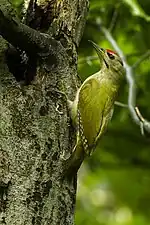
(100, 53)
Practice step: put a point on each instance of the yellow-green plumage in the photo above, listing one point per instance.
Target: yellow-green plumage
(93, 106)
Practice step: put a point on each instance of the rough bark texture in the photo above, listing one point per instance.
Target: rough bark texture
(35, 128)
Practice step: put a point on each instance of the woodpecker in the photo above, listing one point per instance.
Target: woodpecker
(93, 106)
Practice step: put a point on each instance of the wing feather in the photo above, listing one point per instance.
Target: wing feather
(92, 110)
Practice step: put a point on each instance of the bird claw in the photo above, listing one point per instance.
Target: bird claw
(65, 157)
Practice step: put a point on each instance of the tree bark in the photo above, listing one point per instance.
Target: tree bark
(35, 128)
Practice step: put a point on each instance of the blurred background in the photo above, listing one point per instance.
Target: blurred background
(114, 184)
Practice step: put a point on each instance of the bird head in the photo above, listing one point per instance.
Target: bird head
(110, 59)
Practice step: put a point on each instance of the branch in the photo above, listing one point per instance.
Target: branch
(22, 36)
(146, 124)
(129, 77)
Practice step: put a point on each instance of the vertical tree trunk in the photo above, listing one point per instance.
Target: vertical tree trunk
(35, 127)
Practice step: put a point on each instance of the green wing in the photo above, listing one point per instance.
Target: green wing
(94, 108)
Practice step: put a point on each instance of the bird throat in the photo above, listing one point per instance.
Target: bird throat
(106, 64)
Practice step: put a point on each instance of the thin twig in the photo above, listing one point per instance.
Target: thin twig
(145, 123)
(139, 114)
(121, 104)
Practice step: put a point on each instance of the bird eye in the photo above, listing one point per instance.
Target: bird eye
(111, 56)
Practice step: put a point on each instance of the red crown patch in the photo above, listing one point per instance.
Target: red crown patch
(111, 52)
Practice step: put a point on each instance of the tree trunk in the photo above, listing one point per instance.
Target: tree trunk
(36, 134)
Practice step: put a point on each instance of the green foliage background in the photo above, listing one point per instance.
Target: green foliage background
(114, 184)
